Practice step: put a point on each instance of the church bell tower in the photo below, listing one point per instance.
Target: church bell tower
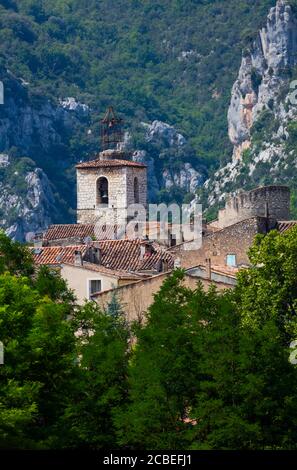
(108, 185)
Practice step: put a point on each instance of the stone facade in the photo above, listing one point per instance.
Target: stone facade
(121, 192)
(136, 298)
(267, 201)
(234, 240)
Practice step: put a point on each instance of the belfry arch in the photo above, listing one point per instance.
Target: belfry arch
(102, 191)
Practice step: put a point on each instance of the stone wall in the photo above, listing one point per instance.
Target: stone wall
(236, 240)
(136, 298)
(273, 201)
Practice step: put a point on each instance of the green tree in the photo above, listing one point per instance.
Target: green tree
(101, 386)
(39, 354)
(14, 257)
(37, 329)
(162, 373)
(247, 399)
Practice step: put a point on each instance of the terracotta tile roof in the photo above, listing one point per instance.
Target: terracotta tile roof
(110, 272)
(56, 255)
(227, 270)
(282, 226)
(116, 255)
(109, 163)
(60, 232)
(81, 231)
(219, 269)
(125, 255)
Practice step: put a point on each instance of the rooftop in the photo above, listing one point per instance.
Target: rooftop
(109, 272)
(62, 231)
(108, 232)
(283, 225)
(109, 163)
(56, 255)
(116, 255)
(125, 255)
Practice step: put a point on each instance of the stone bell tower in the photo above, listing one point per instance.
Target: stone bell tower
(107, 185)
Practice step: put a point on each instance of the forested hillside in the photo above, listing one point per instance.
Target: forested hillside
(168, 60)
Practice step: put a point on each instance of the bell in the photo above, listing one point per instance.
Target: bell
(104, 194)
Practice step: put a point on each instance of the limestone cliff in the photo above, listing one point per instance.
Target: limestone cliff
(37, 128)
(262, 74)
(168, 156)
(262, 111)
(26, 200)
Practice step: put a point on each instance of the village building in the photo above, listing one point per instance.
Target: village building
(108, 186)
(100, 266)
(136, 298)
(245, 215)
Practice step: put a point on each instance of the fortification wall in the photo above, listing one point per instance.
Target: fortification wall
(271, 201)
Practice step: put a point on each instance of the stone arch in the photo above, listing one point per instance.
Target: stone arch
(102, 190)
(136, 190)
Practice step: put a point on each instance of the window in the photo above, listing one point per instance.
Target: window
(136, 191)
(231, 261)
(102, 191)
(94, 287)
(173, 241)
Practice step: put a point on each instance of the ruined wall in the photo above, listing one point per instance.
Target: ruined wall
(272, 199)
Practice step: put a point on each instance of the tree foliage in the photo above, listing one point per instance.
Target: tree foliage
(207, 370)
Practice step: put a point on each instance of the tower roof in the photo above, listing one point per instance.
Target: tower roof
(110, 163)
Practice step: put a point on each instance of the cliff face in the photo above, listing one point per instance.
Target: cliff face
(25, 214)
(30, 121)
(262, 112)
(34, 127)
(168, 156)
(262, 74)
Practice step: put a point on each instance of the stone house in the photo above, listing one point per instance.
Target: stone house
(135, 298)
(227, 240)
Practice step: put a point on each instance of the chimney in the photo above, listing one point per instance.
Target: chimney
(78, 259)
(142, 251)
(146, 249)
(165, 266)
(208, 268)
(38, 240)
(97, 255)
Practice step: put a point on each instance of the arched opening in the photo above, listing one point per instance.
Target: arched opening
(136, 191)
(102, 191)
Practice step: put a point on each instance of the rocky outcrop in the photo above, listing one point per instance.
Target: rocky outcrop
(35, 127)
(262, 74)
(28, 121)
(166, 157)
(186, 178)
(25, 214)
(261, 101)
(162, 132)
